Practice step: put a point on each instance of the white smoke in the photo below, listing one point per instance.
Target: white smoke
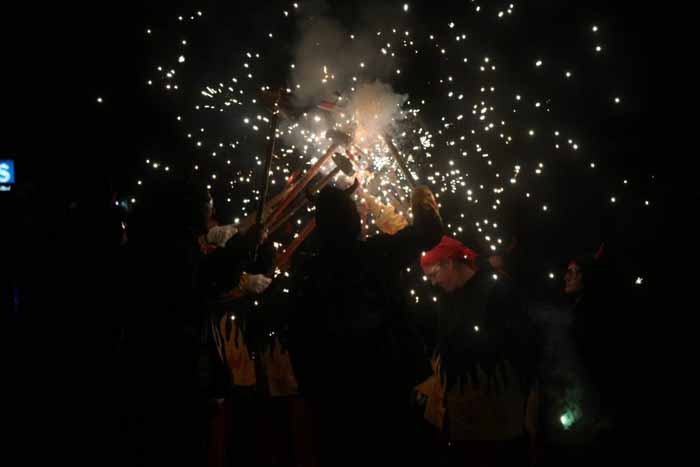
(375, 106)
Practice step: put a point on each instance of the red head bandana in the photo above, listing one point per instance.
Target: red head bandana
(448, 248)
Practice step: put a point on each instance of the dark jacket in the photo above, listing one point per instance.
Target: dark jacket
(350, 325)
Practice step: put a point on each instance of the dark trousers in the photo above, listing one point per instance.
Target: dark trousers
(511, 453)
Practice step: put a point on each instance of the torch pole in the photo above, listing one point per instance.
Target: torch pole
(268, 164)
(400, 161)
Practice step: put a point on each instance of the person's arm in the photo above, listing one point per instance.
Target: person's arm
(406, 246)
(231, 271)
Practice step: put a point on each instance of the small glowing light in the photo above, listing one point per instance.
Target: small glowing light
(99, 100)
(598, 48)
(646, 203)
(435, 299)
(617, 100)
(532, 132)
(544, 208)
(639, 281)
(551, 275)
(405, 7)
(568, 74)
(613, 199)
(538, 63)
(181, 59)
(595, 28)
(567, 420)
(495, 276)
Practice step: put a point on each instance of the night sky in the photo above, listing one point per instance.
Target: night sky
(70, 148)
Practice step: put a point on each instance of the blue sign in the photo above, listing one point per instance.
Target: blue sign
(7, 171)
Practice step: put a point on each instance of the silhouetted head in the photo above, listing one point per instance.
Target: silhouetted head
(337, 218)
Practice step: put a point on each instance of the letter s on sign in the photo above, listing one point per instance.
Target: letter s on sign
(4, 173)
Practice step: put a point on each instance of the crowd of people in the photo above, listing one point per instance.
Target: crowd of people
(219, 358)
(224, 361)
